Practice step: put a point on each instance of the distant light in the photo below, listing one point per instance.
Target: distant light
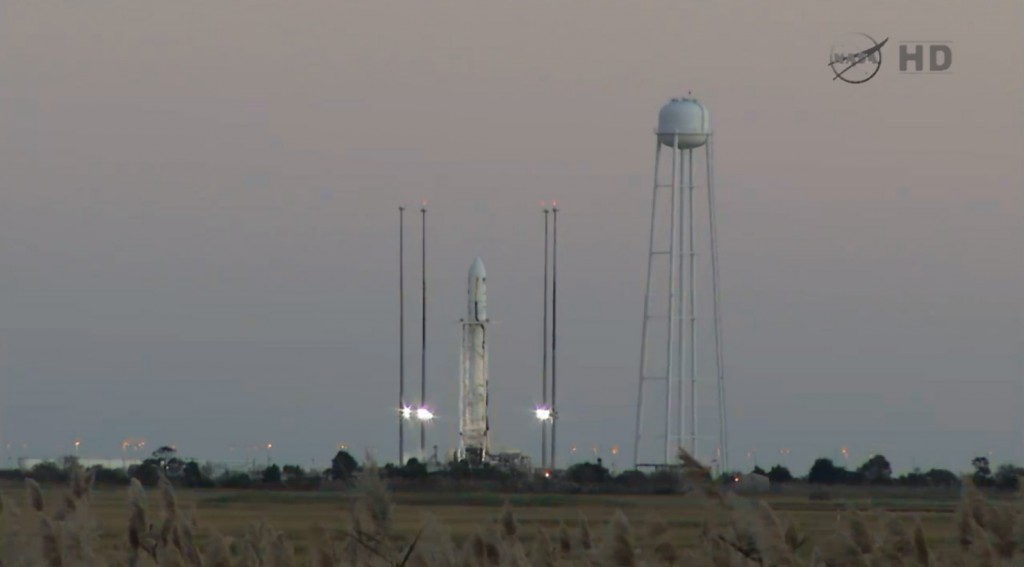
(424, 414)
(543, 414)
(547, 474)
(406, 412)
(270, 445)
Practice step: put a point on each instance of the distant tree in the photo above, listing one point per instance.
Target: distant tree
(343, 466)
(824, 471)
(174, 467)
(69, 463)
(758, 470)
(664, 481)
(293, 472)
(588, 473)
(234, 480)
(850, 477)
(458, 469)
(16, 475)
(876, 470)
(779, 474)
(207, 469)
(631, 478)
(47, 472)
(148, 473)
(413, 470)
(164, 454)
(1007, 477)
(942, 477)
(914, 478)
(272, 475)
(193, 476)
(982, 472)
(114, 477)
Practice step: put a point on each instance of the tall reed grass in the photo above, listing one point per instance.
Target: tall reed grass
(737, 532)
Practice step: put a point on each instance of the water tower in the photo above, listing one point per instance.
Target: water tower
(672, 329)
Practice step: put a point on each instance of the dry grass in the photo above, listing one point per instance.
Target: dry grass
(82, 526)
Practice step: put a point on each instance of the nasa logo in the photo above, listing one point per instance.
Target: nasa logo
(856, 58)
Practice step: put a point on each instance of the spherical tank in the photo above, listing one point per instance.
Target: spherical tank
(686, 117)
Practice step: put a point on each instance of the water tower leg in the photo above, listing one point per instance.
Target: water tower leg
(673, 298)
(638, 431)
(678, 313)
(691, 293)
(723, 440)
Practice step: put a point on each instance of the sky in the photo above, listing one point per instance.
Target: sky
(199, 214)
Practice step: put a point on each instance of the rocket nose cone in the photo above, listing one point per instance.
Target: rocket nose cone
(477, 269)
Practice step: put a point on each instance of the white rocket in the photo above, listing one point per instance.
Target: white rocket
(474, 427)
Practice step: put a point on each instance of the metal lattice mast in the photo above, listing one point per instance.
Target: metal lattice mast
(544, 345)
(423, 334)
(401, 336)
(554, 332)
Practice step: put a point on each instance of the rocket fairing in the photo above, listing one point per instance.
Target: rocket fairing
(477, 292)
(474, 426)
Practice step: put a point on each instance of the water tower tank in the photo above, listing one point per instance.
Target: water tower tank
(687, 118)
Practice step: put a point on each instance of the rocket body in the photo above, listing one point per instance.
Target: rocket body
(474, 426)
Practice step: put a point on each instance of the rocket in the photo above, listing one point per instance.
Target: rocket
(474, 425)
(477, 292)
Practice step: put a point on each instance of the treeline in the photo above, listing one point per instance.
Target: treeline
(191, 474)
(878, 471)
(344, 468)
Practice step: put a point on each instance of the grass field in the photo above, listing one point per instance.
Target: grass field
(297, 513)
(570, 529)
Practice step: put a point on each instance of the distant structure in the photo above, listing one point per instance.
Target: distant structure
(404, 411)
(420, 412)
(27, 463)
(474, 424)
(547, 411)
(668, 337)
(753, 482)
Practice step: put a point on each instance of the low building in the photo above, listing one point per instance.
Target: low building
(28, 463)
(512, 461)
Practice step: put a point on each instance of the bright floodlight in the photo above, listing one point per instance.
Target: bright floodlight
(543, 414)
(406, 412)
(423, 414)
